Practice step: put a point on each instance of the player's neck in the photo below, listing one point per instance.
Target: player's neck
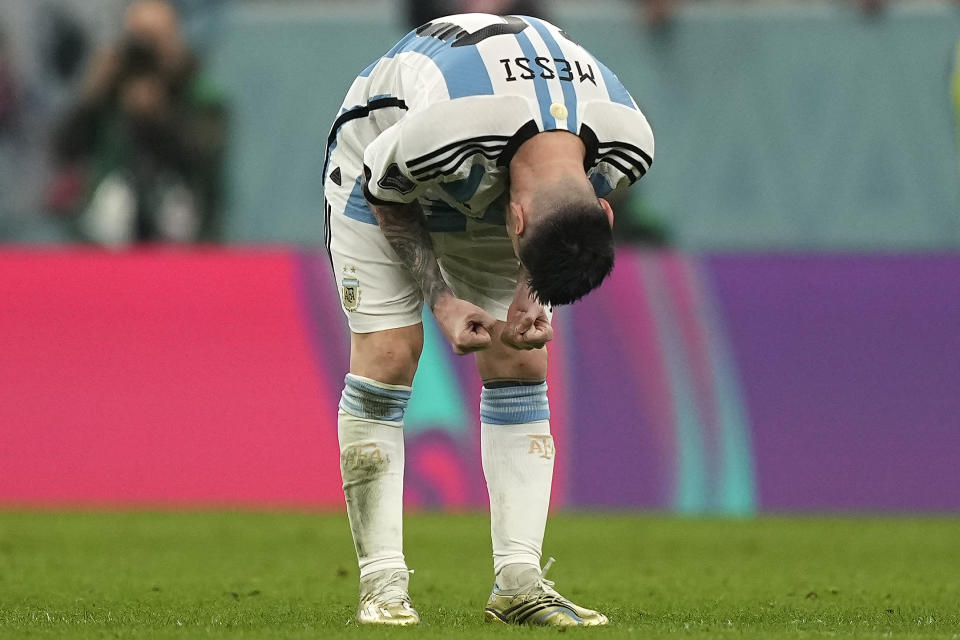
(546, 157)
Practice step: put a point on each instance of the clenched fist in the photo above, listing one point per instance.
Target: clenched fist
(467, 327)
(527, 326)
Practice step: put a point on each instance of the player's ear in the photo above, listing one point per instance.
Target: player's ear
(607, 208)
(516, 219)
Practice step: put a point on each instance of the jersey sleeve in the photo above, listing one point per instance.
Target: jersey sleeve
(437, 144)
(620, 145)
(386, 180)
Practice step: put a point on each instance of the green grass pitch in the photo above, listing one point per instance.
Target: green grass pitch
(293, 575)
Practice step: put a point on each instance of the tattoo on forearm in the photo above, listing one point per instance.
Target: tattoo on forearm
(406, 230)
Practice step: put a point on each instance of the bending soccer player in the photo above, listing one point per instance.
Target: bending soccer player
(467, 171)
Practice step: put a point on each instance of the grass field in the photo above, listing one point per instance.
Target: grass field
(283, 575)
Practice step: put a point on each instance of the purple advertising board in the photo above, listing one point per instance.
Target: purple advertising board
(850, 368)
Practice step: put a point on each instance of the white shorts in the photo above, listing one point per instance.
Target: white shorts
(377, 292)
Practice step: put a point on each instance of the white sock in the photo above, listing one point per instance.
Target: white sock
(370, 430)
(517, 453)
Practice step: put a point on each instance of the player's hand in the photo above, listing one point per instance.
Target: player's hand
(467, 327)
(527, 326)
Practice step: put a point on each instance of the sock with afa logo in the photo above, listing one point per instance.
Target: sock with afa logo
(517, 453)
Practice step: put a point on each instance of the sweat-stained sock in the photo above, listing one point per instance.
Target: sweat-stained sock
(370, 430)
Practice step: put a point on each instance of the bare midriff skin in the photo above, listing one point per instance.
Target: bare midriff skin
(511, 350)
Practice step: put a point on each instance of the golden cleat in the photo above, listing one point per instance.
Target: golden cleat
(536, 603)
(384, 599)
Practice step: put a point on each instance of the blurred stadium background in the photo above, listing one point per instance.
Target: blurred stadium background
(781, 332)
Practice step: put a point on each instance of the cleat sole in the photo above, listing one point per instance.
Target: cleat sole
(493, 616)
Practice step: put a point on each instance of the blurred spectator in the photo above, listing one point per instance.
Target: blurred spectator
(9, 99)
(67, 44)
(9, 128)
(870, 7)
(423, 11)
(657, 13)
(141, 151)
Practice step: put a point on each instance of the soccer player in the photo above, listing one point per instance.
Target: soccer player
(467, 170)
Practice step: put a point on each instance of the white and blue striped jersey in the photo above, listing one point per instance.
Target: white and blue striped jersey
(438, 118)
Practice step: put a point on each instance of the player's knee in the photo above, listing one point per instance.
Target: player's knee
(397, 364)
(389, 356)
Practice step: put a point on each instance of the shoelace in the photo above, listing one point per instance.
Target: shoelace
(391, 590)
(543, 572)
(540, 581)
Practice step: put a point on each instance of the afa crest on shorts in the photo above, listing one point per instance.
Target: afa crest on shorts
(351, 288)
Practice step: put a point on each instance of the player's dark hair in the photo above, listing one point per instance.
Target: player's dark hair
(568, 252)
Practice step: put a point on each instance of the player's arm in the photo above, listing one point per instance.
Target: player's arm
(466, 326)
(405, 228)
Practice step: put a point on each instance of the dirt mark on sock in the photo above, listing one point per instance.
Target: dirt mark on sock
(361, 465)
